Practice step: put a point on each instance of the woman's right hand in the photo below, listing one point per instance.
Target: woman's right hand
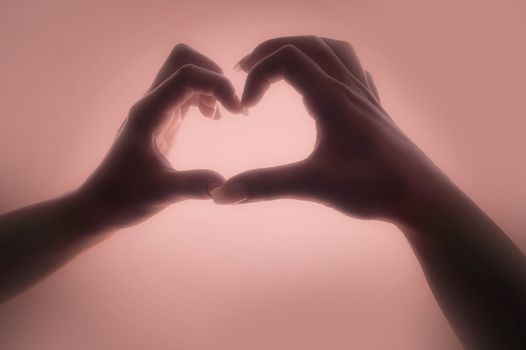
(362, 164)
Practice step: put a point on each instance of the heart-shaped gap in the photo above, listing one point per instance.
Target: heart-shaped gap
(277, 131)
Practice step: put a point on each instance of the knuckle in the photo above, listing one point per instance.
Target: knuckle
(290, 52)
(180, 49)
(186, 71)
(265, 45)
(289, 49)
(313, 42)
(346, 46)
(137, 114)
(137, 109)
(180, 54)
(319, 46)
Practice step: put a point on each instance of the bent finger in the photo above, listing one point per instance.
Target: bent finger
(288, 63)
(180, 55)
(190, 79)
(314, 47)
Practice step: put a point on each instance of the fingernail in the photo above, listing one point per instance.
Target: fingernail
(244, 110)
(237, 104)
(233, 193)
(212, 187)
(238, 67)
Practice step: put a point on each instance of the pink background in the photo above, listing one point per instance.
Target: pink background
(277, 275)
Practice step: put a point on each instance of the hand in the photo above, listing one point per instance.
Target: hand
(362, 164)
(136, 180)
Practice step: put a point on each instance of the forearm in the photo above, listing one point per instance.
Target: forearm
(37, 239)
(475, 271)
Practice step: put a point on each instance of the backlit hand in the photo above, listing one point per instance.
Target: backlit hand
(362, 163)
(136, 180)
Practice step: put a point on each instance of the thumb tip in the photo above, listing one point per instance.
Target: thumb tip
(230, 193)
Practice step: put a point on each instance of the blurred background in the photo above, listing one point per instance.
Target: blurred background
(277, 275)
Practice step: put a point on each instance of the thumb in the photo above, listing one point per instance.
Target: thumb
(192, 184)
(286, 181)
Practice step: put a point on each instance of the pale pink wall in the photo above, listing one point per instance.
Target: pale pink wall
(264, 276)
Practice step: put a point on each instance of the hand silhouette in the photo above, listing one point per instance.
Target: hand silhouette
(136, 180)
(362, 164)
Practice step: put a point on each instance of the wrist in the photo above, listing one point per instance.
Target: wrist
(430, 202)
(87, 213)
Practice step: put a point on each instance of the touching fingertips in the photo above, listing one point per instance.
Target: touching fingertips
(212, 187)
(231, 193)
(248, 100)
(233, 104)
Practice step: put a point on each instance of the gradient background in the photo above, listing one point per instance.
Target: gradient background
(279, 275)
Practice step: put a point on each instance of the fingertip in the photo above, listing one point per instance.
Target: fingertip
(244, 110)
(217, 114)
(246, 102)
(204, 182)
(256, 85)
(242, 64)
(233, 105)
(230, 193)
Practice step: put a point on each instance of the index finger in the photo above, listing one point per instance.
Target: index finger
(314, 47)
(150, 112)
(180, 55)
(291, 64)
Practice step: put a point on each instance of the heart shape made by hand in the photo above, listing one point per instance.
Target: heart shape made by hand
(276, 132)
(349, 168)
